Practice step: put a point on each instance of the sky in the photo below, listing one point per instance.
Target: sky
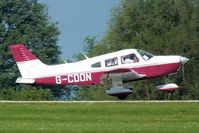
(78, 19)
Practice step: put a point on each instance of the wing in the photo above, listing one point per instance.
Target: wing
(118, 76)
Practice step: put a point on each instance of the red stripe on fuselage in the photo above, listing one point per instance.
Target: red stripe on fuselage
(95, 77)
(72, 79)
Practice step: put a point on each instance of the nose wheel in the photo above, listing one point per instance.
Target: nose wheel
(168, 87)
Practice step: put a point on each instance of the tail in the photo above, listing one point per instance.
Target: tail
(29, 65)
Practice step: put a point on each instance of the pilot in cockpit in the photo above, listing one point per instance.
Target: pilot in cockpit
(131, 58)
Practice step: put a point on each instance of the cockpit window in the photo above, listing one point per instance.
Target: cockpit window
(130, 58)
(145, 55)
(111, 62)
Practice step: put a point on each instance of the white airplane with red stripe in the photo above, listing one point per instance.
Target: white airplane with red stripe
(116, 68)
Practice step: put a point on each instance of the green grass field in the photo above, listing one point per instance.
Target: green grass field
(99, 117)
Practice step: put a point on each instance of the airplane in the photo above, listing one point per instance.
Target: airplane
(114, 68)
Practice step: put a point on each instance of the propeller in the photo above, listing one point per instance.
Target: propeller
(183, 60)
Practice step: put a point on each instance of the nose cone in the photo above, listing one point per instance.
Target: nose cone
(183, 60)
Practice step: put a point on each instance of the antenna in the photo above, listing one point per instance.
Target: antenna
(64, 61)
(84, 55)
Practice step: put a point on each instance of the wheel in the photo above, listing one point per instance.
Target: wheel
(172, 91)
(122, 97)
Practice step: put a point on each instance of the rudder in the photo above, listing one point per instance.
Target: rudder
(21, 53)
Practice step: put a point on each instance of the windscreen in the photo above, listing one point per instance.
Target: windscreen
(145, 55)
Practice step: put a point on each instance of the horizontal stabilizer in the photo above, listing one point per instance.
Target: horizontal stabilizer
(25, 81)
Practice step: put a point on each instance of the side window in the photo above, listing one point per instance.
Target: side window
(97, 64)
(111, 62)
(130, 58)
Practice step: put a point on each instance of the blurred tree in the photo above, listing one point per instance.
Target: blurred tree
(26, 93)
(26, 22)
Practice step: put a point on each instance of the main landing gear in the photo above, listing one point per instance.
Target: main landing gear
(121, 92)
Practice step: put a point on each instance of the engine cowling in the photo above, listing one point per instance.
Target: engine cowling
(168, 87)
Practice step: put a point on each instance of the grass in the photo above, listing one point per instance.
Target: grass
(99, 117)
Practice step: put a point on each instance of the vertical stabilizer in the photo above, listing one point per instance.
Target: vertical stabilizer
(29, 65)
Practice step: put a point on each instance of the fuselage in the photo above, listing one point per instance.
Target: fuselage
(90, 71)
(115, 68)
